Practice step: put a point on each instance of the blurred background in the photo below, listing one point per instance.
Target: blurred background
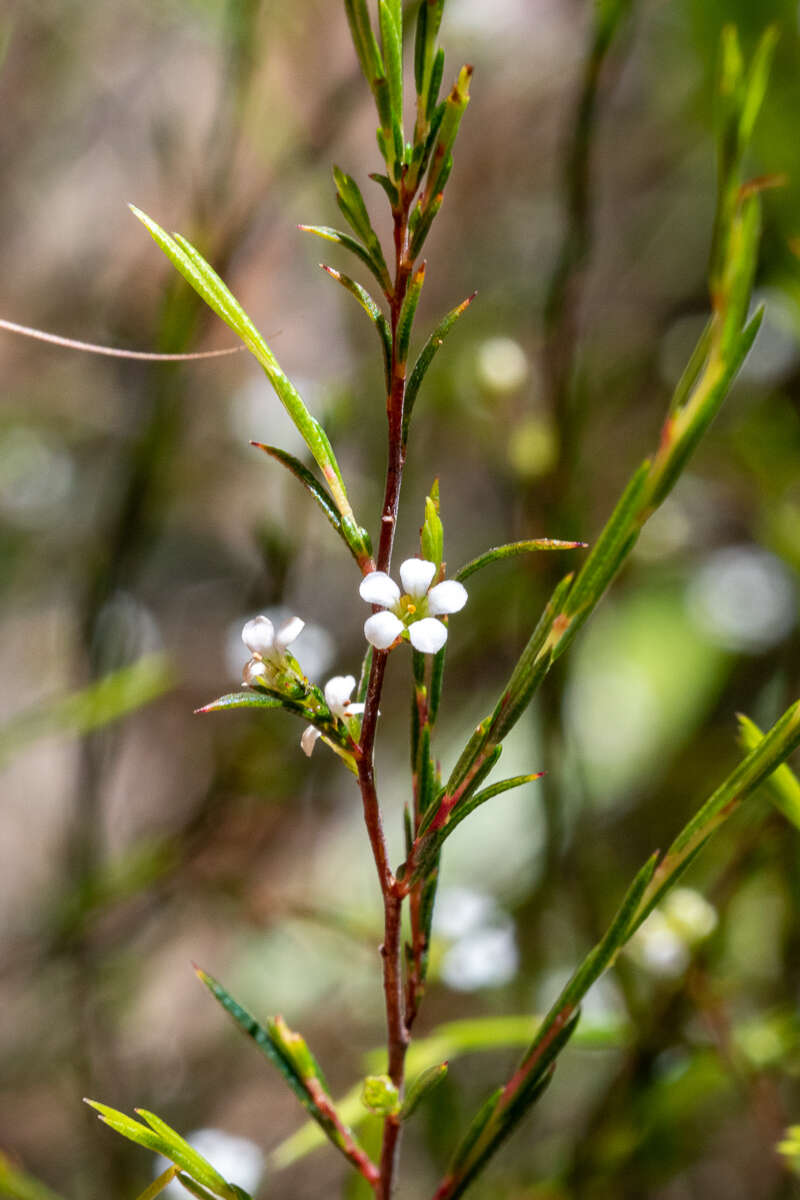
(139, 530)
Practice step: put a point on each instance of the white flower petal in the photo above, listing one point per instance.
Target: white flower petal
(428, 635)
(308, 739)
(354, 709)
(381, 629)
(379, 588)
(447, 597)
(338, 691)
(288, 631)
(254, 672)
(259, 635)
(416, 575)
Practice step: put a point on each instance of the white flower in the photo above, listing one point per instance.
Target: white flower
(415, 610)
(268, 647)
(338, 691)
(263, 642)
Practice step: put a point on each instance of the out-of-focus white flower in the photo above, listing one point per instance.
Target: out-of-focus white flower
(690, 914)
(415, 610)
(338, 691)
(236, 1158)
(268, 647)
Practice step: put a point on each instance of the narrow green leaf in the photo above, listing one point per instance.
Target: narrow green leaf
(757, 80)
(695, 365)
(405, 320)
(468, 806)
(391, 38)
(351, 203)
(249, 1025)
(194, 268)
(435, 83)
(373, 312)
(318, 493)
(533, 665)
(243, 699)
(511, 550)
(180, 1152)
(354, 246)
(432, 533)
(421, 227)
(776, 745)
(437, 680)
(163, 1140)
(272, 1043)
(429, 352)
(364, 40)
(421, 1087)
(610, 549)
(420, 48)
(389, 188)
(193, 1187)
(783, 786)
(474, 1131)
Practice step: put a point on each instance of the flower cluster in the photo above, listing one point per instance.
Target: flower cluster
(413, 613)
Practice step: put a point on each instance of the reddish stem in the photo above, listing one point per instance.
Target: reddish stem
(391, 950)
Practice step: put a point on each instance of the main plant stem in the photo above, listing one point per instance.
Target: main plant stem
(392, 893)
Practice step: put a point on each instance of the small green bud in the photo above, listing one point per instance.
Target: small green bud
(380, 1096)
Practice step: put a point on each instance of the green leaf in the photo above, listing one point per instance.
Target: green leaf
(356, 540)
(510, 551)
(392, 40)
(283, 1054)
(193, 1187)
(366, 46)
(351, 202)
(244, 699)
(533, 665)
(165, 1141)
(373, 312)
(783, 786)
(429, 352)
(355, 247)
(475, 1130)
(421, 1087)
(776, 745)
(180, 1152)
(389, 188)
(405, 321)
(470, 803)
(432, 532)
(757, 80)
(609, 552)
(211, 288)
